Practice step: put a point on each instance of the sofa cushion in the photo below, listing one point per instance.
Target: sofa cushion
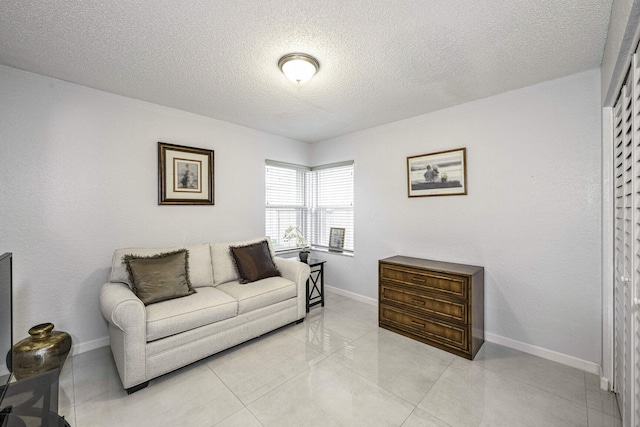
(259, 294)
(171, 317)
(200, 273)
(222, 260)
(159, 277)
(253, 262)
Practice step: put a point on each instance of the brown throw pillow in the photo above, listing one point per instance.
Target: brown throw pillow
(253, 262)
(159, 277)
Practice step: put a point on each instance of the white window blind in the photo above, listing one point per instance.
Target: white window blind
(332, 203)
(286, 202)
(313, 199)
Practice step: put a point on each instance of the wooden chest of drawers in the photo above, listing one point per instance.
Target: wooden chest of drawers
(438, 303)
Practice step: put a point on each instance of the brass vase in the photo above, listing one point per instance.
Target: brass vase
(43, 351)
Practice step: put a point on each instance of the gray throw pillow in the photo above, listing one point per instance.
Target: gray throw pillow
(253, 262)
(159, 277)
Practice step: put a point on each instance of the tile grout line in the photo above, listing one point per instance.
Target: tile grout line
(533, 385)
(509, 377)
(586, 397)
(230, 391)
(433, 385)
(377, 385)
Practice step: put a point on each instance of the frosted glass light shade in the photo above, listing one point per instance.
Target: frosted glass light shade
(298, 67)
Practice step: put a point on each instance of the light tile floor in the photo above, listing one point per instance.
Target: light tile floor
(338, 368)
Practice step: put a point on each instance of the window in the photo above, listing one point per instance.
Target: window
(313, 199)
(332, 203)
(287, 190)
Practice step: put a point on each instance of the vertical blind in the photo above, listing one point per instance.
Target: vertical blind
(313, 199)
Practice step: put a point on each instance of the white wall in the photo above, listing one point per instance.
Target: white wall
(78, 179)
(531, 218)
(78, 175)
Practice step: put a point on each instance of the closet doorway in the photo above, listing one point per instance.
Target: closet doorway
(626, 163)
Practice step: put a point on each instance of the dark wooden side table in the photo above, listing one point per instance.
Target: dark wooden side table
(315, 294)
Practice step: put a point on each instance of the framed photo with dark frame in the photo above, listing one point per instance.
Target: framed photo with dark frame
(437, 174)
(336, 239)
(185, 175)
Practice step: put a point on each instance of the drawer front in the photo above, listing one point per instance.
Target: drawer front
(450, 310)
(439, 282)
(450, 335)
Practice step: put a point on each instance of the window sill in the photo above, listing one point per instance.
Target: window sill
(327, 251)
(290, 253)
(287, 253)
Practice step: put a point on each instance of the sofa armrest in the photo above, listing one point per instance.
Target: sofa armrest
(121, 307)
(297, 272)
(127, 317)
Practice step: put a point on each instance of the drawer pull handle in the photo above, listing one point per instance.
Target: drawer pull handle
(416, 301)
(422, 325)
(417, 280)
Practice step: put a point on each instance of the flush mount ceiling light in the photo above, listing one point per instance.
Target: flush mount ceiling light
(298, 67)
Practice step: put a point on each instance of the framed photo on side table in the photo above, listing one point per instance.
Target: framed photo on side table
(437, 174)
(336, 239)
(185, 175)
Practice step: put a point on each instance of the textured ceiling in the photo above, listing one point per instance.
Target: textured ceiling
(380, 60)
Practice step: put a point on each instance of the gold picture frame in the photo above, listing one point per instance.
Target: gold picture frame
(438, 174)
(185, 175)
(336, 239)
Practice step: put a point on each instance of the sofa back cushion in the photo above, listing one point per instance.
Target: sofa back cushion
(200, 273)
(224, 269)
(261, 294)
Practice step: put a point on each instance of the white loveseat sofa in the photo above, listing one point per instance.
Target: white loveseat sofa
(152, 340)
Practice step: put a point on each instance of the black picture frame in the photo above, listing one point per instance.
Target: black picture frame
(185, 175)
(438, 174)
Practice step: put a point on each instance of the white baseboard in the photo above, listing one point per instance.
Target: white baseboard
(357, 297)
(554, 356)
(83, 347)
(564, 359)
(605, 384)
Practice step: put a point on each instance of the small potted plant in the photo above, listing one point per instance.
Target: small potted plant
(294, 233)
